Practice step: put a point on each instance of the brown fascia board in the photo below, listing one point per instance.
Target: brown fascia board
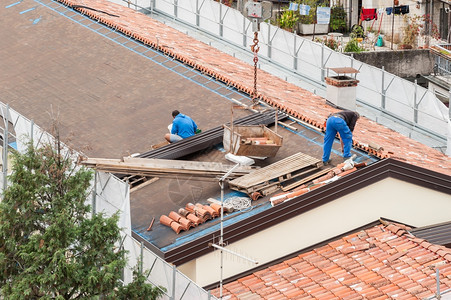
(387, 168)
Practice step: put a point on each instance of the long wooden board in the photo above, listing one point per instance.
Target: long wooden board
(161, 167)
(282, 168)
(184, 164)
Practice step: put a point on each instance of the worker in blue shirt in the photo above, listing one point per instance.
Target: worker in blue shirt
(342, 122)
(182, 127)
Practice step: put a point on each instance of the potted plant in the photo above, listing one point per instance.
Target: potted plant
(307, 23)
(353, 44)
(338, 19)
(288, 20)
(410, 32)
(414, 28)
(328, 42)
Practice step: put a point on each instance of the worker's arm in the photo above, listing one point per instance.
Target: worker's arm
(174, 129)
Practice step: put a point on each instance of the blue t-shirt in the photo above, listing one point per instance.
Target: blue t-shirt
(183, 126)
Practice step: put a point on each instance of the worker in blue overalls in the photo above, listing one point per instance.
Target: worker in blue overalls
(342, 122)
(182, 127)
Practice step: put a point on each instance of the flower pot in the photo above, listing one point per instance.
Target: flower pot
(313, 28)
(404, 46)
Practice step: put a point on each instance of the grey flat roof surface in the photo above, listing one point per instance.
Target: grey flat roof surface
(110, 99)
(114, 97)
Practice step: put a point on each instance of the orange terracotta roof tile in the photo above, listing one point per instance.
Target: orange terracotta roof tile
(273, 90)
(369, 273)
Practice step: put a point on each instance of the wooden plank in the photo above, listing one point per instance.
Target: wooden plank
(138, 187)
(95, 161)
(275, 170)
(152, 167)
(306, 179)
(152, 172)
(183, 164)
(288, 125)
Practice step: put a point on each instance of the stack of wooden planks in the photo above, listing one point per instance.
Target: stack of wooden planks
(269, 178)
(165, 167)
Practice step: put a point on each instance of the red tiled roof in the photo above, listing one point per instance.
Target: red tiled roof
(286, 96)
(382, 262)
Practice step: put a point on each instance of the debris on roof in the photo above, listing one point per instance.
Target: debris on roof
(381, 262)
(339, 171)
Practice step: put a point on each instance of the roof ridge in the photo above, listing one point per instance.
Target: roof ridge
(396, 228)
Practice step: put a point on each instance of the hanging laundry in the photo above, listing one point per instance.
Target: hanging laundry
(293, 6)
(304, 9)
(389, 10)
(380, 11)
(322, 15)
(401, 10)
(368, 14)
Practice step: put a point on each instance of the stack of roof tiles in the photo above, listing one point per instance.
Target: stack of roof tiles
(275, 91)
(382, 262)
(190, 216)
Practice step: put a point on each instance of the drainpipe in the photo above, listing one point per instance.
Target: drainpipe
(221, 24)
(448, 144)
(5, 148)
(197, 14)
(322, 63)
(350, 15)
(415, 104)
(383, 88)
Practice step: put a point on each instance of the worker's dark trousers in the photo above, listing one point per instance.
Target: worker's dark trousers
(334, 125)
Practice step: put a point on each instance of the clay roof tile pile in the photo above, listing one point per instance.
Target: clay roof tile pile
(190, 216)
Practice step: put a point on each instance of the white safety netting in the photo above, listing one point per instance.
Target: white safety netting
(376, 87)
(111, 195)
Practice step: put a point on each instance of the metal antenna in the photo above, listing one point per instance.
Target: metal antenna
(221, 237)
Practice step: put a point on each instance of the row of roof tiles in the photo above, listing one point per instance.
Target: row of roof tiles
(279, 93)
(382, 262)
(191, 216)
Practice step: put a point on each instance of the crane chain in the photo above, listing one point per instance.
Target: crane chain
(255, 48)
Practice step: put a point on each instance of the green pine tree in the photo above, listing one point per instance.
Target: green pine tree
(50, 245)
